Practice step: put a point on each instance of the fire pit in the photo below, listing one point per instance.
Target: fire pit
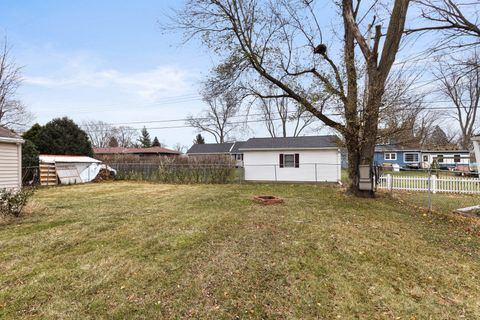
(268, 199)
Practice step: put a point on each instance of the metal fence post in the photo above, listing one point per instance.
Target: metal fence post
(275, 169)
(316, 175)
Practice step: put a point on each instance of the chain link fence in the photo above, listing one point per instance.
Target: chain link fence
(30, 176)
(437, 190)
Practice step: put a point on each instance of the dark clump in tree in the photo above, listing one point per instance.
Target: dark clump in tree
(156, 143)
(32, 133)
(113, 142)
(29, 154)
(199, 139)
(144, 140)
(63, 136)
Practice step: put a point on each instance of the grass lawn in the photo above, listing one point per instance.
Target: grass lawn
(138, 250)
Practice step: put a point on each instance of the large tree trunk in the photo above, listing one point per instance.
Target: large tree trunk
(359, 155)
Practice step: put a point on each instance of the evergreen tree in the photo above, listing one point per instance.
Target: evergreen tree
(63, 136)
(156, 143)
(438, 138)
(29, 154)
(199, 139)
(32, 133)
(113, 142)
(144, 140)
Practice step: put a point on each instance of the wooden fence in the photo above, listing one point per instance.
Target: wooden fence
(430, 183)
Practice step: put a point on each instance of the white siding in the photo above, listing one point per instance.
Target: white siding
(448, 158)
(315, 166)
(476, 147)
(10, 165)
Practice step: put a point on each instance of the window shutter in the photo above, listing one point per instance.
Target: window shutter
(281, 160)
(297, 160)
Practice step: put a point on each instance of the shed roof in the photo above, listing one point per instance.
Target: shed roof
(55, 158)
(7, 135)
(121, 150)
(211, 148)
(236, 147)
(307, 142)
(399, 148)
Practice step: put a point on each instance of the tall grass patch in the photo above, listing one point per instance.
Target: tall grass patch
(181, 170)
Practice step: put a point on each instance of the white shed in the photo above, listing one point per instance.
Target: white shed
(10, 160)
(69, 169)
(476, 147)
(294, 159)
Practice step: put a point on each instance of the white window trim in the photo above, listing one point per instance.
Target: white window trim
(405, 156)
(390, 156)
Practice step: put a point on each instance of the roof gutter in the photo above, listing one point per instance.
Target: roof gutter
(11, 140)
(292, 148)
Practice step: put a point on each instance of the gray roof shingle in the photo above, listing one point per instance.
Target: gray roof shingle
(211, 148)
(237, 146)
(308, 142)
(5, 133)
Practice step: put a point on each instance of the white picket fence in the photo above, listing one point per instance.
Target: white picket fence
(431, 183)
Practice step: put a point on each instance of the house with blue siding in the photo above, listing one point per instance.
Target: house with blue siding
(413, 158)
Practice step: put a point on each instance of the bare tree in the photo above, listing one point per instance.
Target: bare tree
(180, 147)
(217, 118)
(104, 135)
(125, 136)
(99, 133)
(280, 114)
(13, 113)
(281, 42)
(458, 21)
(462, 87)
(404, 119)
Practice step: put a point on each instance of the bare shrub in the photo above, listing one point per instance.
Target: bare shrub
(211, 169)
(12, 202)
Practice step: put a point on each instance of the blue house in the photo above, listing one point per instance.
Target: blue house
(417, 158)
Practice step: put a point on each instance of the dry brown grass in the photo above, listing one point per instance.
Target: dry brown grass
(139, 250)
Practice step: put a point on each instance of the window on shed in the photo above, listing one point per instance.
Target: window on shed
(410, 157)
(290, 160)
(439, 158)
(457, 158)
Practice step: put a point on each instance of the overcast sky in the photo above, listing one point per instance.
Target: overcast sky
(109, 60)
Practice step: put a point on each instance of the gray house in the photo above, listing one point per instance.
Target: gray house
(218, 149)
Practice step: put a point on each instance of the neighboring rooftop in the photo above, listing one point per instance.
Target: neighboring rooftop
(393, 148)
(121, 150)
(308, 142)
(8, 134)
(211, 148)
(236, 147)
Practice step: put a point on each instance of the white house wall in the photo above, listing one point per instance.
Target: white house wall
(476, 147)
(314, 166)
(448, 158)
(10, 165)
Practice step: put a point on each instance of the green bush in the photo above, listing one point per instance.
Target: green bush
(12, 202)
